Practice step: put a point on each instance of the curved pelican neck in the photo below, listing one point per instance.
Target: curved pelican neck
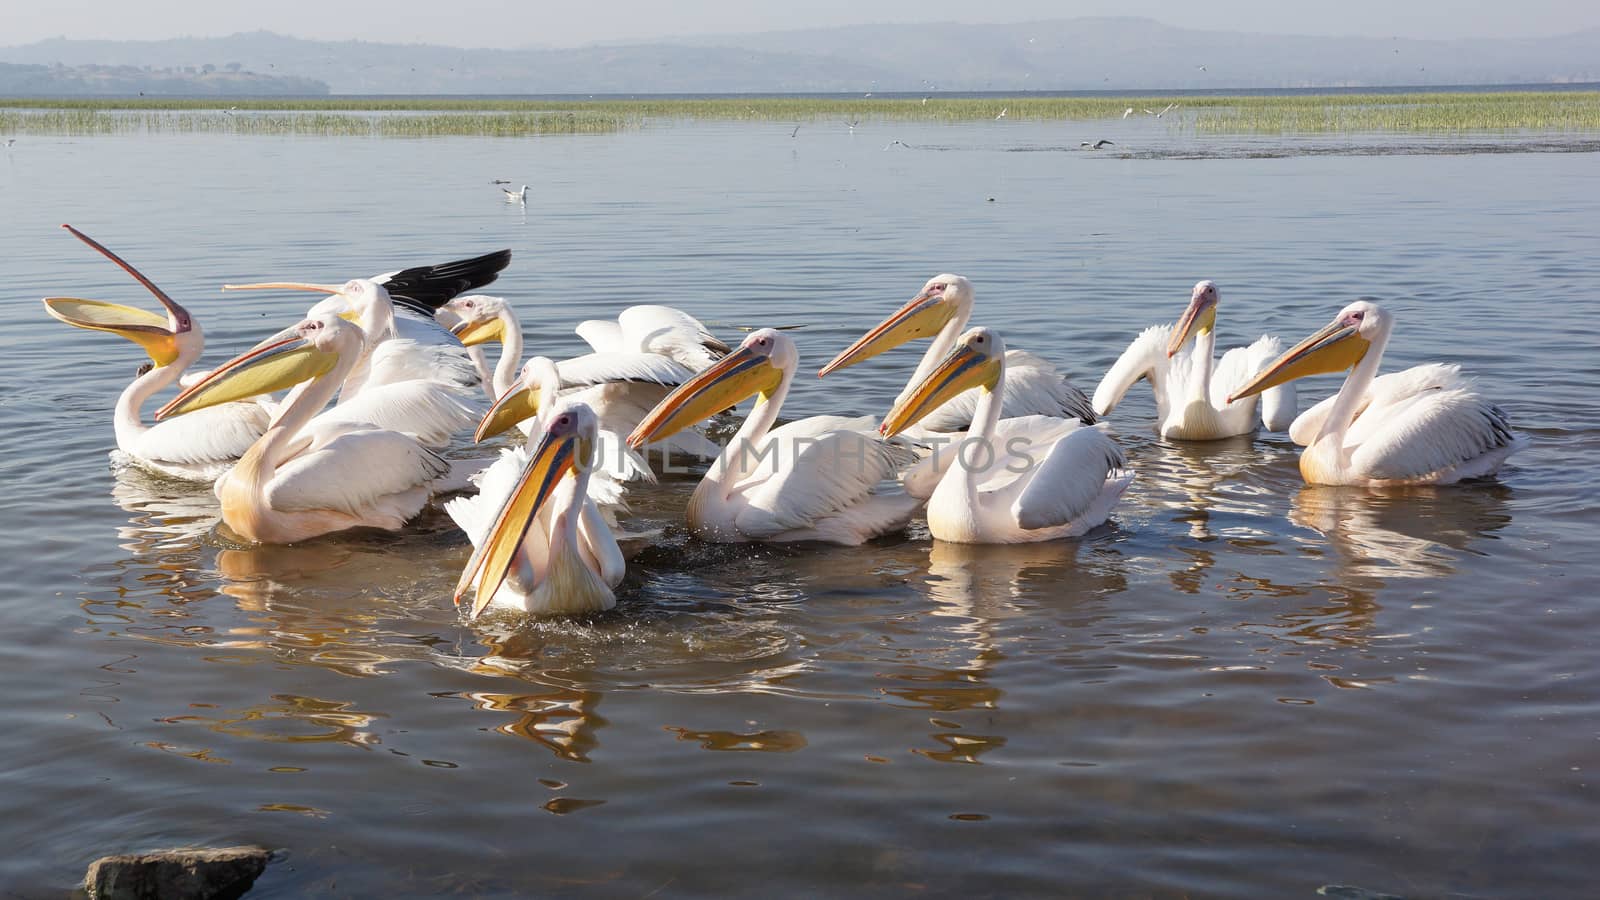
(1355, 387)
(747, 444)
(303, 405)
(1203, 360)
(127, 418)
(377, 322)
(984, 420)
(505, 370)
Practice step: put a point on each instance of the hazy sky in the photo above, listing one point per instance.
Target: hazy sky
(518, 23)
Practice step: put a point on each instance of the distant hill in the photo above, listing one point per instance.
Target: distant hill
(70, 81)
(1077, 54)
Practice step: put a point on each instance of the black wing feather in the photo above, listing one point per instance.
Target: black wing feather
(426, 288)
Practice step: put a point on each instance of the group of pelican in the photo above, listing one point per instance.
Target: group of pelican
(993, 445)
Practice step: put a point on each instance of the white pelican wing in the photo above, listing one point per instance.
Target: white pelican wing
(421, 350)
(1019, 443)
(1385, 389)
(599, 546)
(672, 333)
(356, 472)
(216, 434)
(603, 368)
(1239, 365)
(602, 335)
(1068, 483)
(822, 466)
(1427, 433)
(426, 410)
(1146, 357)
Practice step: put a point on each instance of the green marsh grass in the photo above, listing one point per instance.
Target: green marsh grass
(1553, 111)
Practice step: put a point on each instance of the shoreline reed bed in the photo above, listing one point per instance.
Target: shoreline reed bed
(1555, 111)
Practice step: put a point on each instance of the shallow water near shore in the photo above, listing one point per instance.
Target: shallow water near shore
(1240, 687)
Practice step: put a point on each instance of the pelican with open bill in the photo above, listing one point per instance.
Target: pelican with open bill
(1424, 425)
(941, 311)
(198, 449)
(312, 474)
(545, 550)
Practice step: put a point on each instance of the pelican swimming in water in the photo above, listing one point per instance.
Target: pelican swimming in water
(309, 475)
(198, 448)
(542, 547)
(1190, 385)
(816, 479)
(941, 309)
(1016, 480)
(406, 345)
(1424, 425)
(632, 370)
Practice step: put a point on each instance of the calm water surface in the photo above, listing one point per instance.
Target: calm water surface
(1241, 687)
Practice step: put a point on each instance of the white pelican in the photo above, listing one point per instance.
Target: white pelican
(816, 479)
(309, 475)
(516, 196)
(941, 309)
(402, 314)
(542, 548)
(1424, 425)
(198, 448)
(1037, 479)
(406, 344)
(621, 383)
(670, 332)
(1191, 386)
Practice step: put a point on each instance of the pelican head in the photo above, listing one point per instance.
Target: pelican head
(521, 400)
(481, 319)
(943, 298)
(1199, 318)
(1338, 346)
(301, 352)
(164, 338)
(566, 444)
(758, 366)
(975, 361)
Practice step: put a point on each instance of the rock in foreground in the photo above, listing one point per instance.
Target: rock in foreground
(202, 873)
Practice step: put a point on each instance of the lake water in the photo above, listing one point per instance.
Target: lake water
(1242, 687)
